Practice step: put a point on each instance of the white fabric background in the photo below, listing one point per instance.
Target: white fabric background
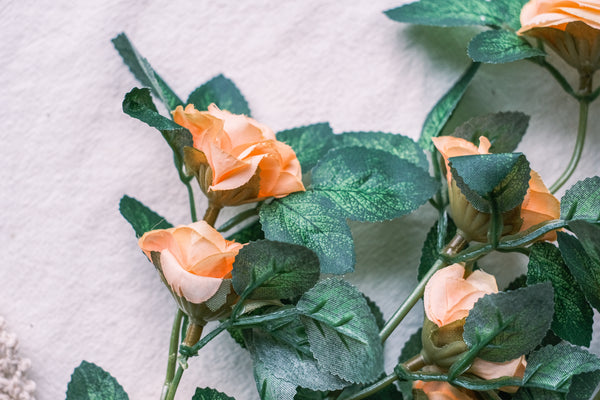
(73, 283)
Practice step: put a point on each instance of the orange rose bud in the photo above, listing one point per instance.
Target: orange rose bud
(570, 28)
(195, 262)
(539, 204)
(236, 159)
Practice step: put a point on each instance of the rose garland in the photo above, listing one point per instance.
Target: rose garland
(313, 338)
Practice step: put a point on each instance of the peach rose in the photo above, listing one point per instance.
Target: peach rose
(443, 391)
(236, 159)
(539, 204)
(569, 27)
(195, 262)
(449, 297)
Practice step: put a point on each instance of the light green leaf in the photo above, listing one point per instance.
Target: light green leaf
(443, 109)
(503, 129)
(141, 218)
(311, 219)
(310, 143)
(371, 185)
(582, 201)
(141, 69)
(210, 394)
(90, 382)
(486, 179)
(285, 270)
(585, 269)
(573, 316)
(500, 46)
(399, 145)
(342, 332)
(553, 367)
(221, 91)
(507, 325)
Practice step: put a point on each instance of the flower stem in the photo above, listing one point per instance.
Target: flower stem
(212, 212)
(173, 345)
(191, 200)
(193, 334)
(173, 389)
(455, 245)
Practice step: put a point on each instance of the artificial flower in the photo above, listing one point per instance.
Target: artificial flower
(236, 159)
(539, 204)
(443, 391)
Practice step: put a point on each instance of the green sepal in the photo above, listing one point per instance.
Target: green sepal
(221, 91)
(486, 179)
(283, 270)
(431, 247)
(501, 46)
(210, 394)
(582, 201)
(573, 316)
(443, 109)
(141, 218)
(336, 316)
(504, 130)
(371, 185)
(310, 143)
(141, 69)
(90, 382)
(138, 104)
(506, 325)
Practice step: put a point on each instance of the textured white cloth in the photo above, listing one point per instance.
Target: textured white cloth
(73, 283)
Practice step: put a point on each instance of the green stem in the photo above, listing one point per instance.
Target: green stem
(189, 351)
(575, 157)
(562, 81)
(191, 200)
(455, 245)
(177, 378)
(173, 345)
(374, 388)
(239, 218)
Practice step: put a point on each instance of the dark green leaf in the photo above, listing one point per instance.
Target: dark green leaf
(281, 270)
(500, 46)
(371, 185)
(503, 129)
(553, 367)
(488, 178)
(249, 233)
(141, 218)
(430, 251)
(412, 347)
(312, 220)
(210, 394)
(376, 312)
(400, 146)
(90, 382)
(141, 69)
(537, 394)
(582, 200)
(221, 91)
(507, 325)
(583, 386)
(342, 332)
(573, 316)
(138, 104)
(589, 237)
(310, 143)
(585, 269)
(443, 109)
(519, 282)
(307, 394)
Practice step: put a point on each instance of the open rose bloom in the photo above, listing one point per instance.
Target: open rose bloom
(195, 262)
(448, 298)
(569, 27)
(539, 204)
(236, 159)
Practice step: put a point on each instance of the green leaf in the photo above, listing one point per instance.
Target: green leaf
(507, 325)
(306, 394)
(138, 104)
(90, 382)
(399, 145)
(371, 185)
(431, 251)
(376, 311)
(141, 218)
(342, 332)
(553, 367)
(210, 394)
(588, 235)
(249, 233)
(447, 13)
(443, 109)
(503, 129)
(283, 270)
(500, 46)
(141, 69)
(573, 316)
(310, 143)
(517, 283)
(221, 91)
(583, 386)
(582, 201)
(310, 219)
(585, 269)
(486, 179)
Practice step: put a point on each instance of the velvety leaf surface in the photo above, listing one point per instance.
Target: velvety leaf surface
(221, 91)
(141, 218)
(504, 130)
(210, 394)
(500, 46)
(582, 201)
(310, 143)
(90, 382)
